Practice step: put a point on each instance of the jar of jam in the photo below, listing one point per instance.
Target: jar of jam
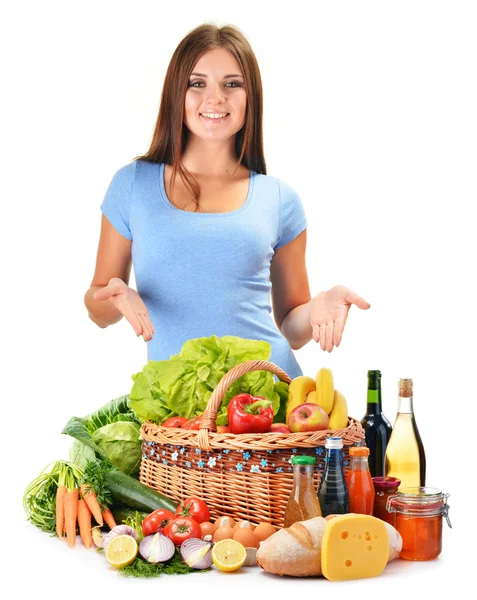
(419, 512)
(383, 488)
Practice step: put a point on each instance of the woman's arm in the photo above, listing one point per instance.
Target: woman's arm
(113, 259)
(291, 299)
(300, 317)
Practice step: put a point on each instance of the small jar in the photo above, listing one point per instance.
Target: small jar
(383, 488)
(419, 512)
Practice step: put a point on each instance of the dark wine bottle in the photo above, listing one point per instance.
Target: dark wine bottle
(376, 427)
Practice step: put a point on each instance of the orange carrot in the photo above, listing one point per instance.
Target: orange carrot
(71, 515)
(90, 496)
(84, 522)
(60, 510)
(108, 518)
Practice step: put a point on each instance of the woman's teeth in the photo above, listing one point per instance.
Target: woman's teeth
(214, 115)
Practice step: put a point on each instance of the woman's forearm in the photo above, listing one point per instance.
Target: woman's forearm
(101, 312)
(296, 326)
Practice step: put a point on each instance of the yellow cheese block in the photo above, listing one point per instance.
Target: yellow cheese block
(354, 547)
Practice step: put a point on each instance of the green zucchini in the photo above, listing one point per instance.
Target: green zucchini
(128, 490)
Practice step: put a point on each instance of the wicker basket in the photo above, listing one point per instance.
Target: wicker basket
(247, 476)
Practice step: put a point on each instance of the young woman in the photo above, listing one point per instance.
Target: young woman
(212, 238)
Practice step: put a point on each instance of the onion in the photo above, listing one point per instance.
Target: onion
(196, 553)
(156, 548)
(119, 530)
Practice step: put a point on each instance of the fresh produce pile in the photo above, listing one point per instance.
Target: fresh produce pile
(142, 533)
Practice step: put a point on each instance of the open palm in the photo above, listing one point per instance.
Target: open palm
(329, 311)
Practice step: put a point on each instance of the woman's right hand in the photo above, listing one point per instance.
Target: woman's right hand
(129, 303)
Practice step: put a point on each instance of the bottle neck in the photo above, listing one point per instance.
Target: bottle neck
(303, 475)
(405, 405)
(334, 458)
(374, 402)
(359, 463)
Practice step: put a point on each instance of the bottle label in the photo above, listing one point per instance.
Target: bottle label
(373, 396)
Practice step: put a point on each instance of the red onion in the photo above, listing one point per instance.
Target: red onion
(197, 553)
(156, 548)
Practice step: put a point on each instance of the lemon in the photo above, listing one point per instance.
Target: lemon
(228, 555)
(122, 551)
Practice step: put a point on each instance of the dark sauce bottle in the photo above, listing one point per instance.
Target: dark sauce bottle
(333, 491)
(376, 427)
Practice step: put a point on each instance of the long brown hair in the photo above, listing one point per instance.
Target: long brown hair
(170, 134)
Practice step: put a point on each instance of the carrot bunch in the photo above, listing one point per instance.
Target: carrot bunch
(75, 508)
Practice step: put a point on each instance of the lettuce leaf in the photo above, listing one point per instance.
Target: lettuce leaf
(183, 384)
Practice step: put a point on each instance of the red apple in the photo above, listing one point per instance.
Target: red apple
(223, 429)
(308, 417)
(279, 428)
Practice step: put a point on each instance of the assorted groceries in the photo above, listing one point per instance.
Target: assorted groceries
(348, 526)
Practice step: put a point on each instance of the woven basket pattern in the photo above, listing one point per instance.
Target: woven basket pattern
(246, 476)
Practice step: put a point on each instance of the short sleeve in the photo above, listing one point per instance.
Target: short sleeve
(116, 205)
(292, 219)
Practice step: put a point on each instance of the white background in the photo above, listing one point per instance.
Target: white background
(370, 113)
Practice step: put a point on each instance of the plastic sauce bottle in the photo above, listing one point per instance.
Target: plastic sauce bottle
(359, 482)
(333, 492)
(303, 502)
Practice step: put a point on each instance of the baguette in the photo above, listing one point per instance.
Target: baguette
(297, 550)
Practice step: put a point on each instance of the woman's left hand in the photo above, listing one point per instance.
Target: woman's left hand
(329, 311)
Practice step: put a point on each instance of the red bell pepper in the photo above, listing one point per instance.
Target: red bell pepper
(250, 414)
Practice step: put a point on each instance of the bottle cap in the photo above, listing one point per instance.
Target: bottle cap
(334, 443)
(359, 451)
(303, 460)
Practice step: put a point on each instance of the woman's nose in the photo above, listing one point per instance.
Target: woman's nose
(216, 94)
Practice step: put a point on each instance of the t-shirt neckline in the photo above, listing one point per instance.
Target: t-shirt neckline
(202, 215)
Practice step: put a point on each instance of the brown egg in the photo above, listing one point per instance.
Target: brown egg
(223, 533)
(264, 531)
(207, 528)
(244, 525)
(246, 537)
(221, 521)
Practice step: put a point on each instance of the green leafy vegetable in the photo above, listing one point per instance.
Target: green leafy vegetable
(175, 566)
(94, 478)
(112, 433)
(282, 390)
(183, 384)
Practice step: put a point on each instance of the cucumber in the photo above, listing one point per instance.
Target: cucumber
(127, 490)
(121, 512)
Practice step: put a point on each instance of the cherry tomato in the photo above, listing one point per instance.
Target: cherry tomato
(157, 519)
(193, 423)
(181, 529)
(195, 508)
(174, 422)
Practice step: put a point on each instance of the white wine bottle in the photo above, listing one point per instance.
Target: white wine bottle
(405, 457)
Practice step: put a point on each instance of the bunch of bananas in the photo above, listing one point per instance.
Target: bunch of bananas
(319, 391)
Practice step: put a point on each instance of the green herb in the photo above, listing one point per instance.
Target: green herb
(141, 568)
(94, 478)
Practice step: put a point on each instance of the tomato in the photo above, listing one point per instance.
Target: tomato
(193, 424)
(195, 508)
(181, 529)
(157, 519)
(174, 422)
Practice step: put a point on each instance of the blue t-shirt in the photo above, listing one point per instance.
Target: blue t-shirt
(202, 274)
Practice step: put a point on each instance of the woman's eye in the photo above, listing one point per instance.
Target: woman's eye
(234, 84)
(195, 83)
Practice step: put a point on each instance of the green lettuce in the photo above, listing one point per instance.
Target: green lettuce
(184, 384)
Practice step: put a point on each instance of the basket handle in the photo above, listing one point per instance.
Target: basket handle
(207, 423)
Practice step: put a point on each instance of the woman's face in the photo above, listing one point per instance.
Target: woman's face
(216, 99)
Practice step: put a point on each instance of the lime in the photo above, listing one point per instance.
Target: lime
(228, 555)
(122, 551)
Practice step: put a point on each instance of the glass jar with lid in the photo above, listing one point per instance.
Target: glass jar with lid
(383, 488)
(419, 512)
